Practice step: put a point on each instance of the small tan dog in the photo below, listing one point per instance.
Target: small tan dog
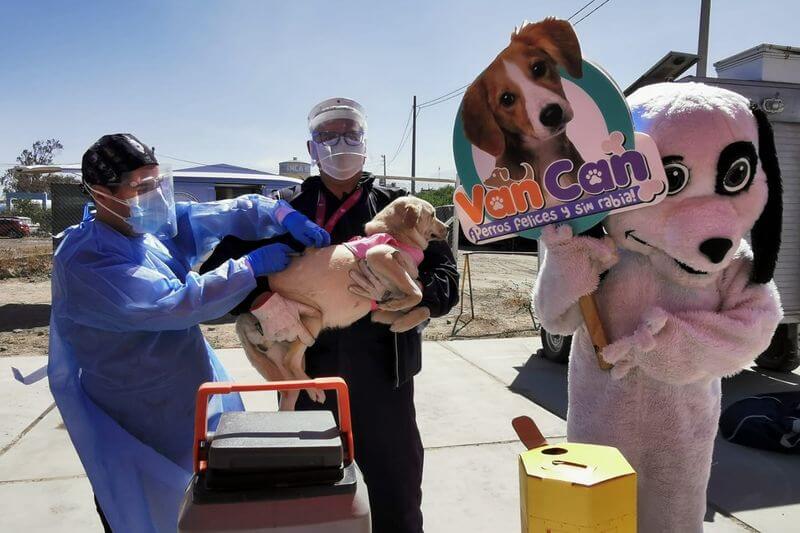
(321, 281)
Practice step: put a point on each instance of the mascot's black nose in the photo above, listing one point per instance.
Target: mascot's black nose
(551, 116)
(715, 249)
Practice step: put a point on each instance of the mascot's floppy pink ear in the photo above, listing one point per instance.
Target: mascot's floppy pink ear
(766, 233)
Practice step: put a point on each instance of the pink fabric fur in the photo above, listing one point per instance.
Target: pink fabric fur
(673, 333)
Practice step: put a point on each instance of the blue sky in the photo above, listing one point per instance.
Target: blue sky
(232, 81)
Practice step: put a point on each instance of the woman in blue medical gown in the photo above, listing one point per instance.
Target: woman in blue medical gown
(126, 351)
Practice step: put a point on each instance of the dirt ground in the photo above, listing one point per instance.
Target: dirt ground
(25, 258)
(501, 287)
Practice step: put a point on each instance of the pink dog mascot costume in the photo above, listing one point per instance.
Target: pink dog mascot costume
(682, 297)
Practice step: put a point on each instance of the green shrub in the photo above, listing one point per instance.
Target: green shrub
(437, 197)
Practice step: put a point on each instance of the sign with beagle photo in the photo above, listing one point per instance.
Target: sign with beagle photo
(544, 136)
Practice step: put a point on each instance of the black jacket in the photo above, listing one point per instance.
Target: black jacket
(437, 272)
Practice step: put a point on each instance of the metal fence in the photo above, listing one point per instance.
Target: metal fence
(66, 209)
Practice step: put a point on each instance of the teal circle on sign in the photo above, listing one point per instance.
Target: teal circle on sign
(609, 99)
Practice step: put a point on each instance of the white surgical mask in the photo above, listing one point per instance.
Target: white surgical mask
(340, 162)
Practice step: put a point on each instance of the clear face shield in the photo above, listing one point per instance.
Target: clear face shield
(152, 209)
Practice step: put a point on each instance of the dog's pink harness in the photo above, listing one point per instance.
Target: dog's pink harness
(361, 245)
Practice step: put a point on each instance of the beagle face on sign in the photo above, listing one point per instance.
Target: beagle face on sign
(519, 99)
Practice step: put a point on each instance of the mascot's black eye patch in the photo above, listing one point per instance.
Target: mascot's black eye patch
(677, 173)
(736, 168)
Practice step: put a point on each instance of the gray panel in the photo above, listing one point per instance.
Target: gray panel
(787, 273)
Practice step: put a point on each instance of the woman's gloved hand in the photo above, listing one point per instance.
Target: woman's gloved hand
(306, 231)
(269, 259)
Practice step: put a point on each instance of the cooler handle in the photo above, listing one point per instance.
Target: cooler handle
(224, 387)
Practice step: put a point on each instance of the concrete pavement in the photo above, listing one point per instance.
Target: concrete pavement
(466, 396)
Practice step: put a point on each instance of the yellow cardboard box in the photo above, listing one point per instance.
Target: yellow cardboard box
(572, 487)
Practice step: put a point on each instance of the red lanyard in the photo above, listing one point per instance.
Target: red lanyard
(344, 208)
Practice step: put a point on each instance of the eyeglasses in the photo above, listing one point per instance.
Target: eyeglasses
(331, 138)
(140, 185)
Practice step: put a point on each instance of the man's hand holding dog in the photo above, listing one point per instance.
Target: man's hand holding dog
(280, 319)
(368, 285)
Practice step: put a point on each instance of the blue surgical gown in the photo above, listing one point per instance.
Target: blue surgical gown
(127, 355)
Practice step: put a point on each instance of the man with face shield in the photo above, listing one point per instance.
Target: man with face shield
(377, 365)
(126, 352)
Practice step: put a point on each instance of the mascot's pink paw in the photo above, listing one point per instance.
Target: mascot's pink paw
(654, 320)
(621, 353)
(559, 239)
(618, 351)
(556, 234)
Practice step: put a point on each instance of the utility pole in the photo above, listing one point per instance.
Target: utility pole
(702, 40)
(383, 179)
(414, 146)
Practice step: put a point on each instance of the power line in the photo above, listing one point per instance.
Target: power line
(461, 90)
(446, 99)
(183, 160)
(403, 138)
(433, 101)
(400, 148)
(455, 93)
(587, 4)
(590, 12)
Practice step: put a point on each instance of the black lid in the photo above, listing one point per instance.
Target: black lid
(275, 441)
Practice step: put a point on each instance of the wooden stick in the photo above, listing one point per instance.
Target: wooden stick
(595, 327)
(528, 432)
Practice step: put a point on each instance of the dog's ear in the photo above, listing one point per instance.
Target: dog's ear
(411, 214)
(557, 38)
(766, 233)
(480, 126)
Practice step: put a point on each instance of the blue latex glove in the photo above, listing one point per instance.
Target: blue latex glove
(306, 231)
(270, 258)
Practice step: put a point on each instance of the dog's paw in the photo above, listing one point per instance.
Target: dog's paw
(316, 395)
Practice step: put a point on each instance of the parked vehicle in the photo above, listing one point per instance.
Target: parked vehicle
(17, 227)
(555, 347)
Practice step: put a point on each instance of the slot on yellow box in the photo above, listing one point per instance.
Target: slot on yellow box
(573, 487)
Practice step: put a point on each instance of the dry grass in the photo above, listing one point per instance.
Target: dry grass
(501, 287)
(25, 258)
